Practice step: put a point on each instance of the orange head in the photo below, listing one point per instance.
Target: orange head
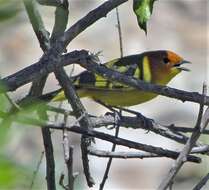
(165, 65)
(175, 60)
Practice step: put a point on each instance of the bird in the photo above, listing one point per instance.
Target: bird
(157, 67)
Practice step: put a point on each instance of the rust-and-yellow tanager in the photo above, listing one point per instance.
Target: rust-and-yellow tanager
(157, 67)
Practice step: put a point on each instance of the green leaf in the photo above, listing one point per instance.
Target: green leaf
(4, 105)
(8, 9)
(13, 175)
(143, 10)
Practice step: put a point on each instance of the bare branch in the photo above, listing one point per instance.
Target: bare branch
(50, 177)
(184, 129)
(38, 26)
(90, 18)
(141, 155)
(68, 156)
(80, 111)
(117, 127)
(61, 20)
(61, 181)
(120, 141)
(43, 37)
(119, 32)
(202, 182)
(122, 155)
(71, 177)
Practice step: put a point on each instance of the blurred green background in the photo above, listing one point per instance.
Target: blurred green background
(177, 25)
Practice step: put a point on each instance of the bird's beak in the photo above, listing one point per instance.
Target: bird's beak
(179, 65)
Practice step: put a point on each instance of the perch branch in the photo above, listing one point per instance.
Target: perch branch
(131, 144)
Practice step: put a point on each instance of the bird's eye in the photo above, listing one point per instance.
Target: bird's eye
(166, 60)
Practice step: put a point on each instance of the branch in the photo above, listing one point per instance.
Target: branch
(36, 170)
(79, 111)
(131, 144)
(38, 26)
(43, 37)
(184, 129)
(117, 127)
(119, 32)
(61, 20)
(71, 177)
(90, 19)
(139, 122)
(202, 182)
(38, 69)
(123, 155)
(50, 168)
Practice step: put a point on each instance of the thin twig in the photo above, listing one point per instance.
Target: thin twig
(61, 181)
(61, 20)
(119, 32)
(90, 18)
(117, 128)
(65, 141)
(50, 164)
(71, 177)
(68, 156)
(38, 26)
(202, 182)
(36, 170)
(184, 129)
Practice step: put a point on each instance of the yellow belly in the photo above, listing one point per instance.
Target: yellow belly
(118, 97)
